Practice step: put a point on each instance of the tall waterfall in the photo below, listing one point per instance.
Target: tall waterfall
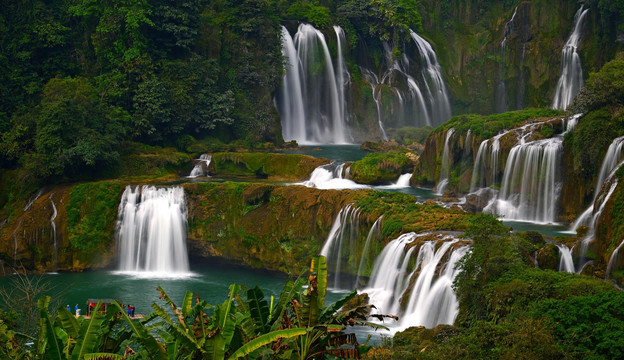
(152, 231)
(571, 79)
(614, 155)
(342, 238)
(53, 223)
(312, 97)
(501, 91)
(431, 300)
(446, 164)
(201, 166)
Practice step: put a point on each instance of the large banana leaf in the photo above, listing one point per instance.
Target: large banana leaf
(187, 304)
(68, 322)
(103, 356)
(151, 345)
(174, 308)
(266, 339)
(331, 309)
(52, 348)
(90, 335)
(175, 330)
(319, 267)
(291, 288)
(259, 309)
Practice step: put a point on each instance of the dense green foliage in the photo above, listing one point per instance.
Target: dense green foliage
(293, 167)
(91, 214)
(409, 135)
(487, 126)
(510, 309)
(297, 325)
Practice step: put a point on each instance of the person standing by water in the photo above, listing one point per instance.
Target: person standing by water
(68, 308)
(77, 310)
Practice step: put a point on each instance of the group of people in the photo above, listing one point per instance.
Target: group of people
(77, 309)
(130, 310)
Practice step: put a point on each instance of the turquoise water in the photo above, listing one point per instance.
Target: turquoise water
(550, 230)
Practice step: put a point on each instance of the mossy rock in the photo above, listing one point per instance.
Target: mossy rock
(277, 167)
(380, 168)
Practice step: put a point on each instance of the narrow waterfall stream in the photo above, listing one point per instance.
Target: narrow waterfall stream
(152, 231)
(54, 239)
(571, 79)
(201, 166)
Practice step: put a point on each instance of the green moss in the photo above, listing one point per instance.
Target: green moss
(144, 161)
(379, 168)
(291, 167)
(487, 126)
(91, 214)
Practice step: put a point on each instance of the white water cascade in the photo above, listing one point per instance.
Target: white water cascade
(201, 166)
(312, 100)
(571, 79)
(331, 176)
(486, 162)
(152, 231)
(365, 259)
(431, 300)
(342, 239)
(566, 263)
(613, 260)
(614, 155)
(446, 164)
(53, 223)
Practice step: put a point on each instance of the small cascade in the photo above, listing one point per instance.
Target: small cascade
(331, 176)
(613, 260)
(152, 231)
(431, 300)
(53, 223)
(486, 161)
(614, 155)
(402, 182)
(33, 199)
(565, 258)
(312, 98)
(342, 239)
(501, 91)
(571, 79)
(446, 164)
(374, 82)
(201, 166)
(365, 259)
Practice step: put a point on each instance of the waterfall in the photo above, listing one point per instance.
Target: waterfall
(614, 155)
(571, 79)
(530, 187)
(342, 239)
(487, 156)
(431, 300)
(432, 75)
(331, 176)
(599, 204)
(501, 91)
(312, 97)
(53, 223)
(343, 78)
(152, 231)
(613, 259)
(373, 81)
(565, 258)
(374, 233)
(201, 166)
(446, 164)
(33, 199)
(402, 182)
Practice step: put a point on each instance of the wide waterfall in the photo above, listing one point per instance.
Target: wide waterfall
(571, 79)
(428, 278)
(152, 231)
(201, 166)
(312, 100)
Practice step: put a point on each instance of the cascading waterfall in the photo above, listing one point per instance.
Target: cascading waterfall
(342, 239)
(571, 79)
(501, 91)
(566, 263)
(312, 97)
(446, 164)
(603, 197)
(614, 155)
(331, 176)
(365, 259)
(53, 223)
(201, 166)
(343, 78)
(431, 302)
(613, 260)
(152, 231)
(487, 158)
(402, 182)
